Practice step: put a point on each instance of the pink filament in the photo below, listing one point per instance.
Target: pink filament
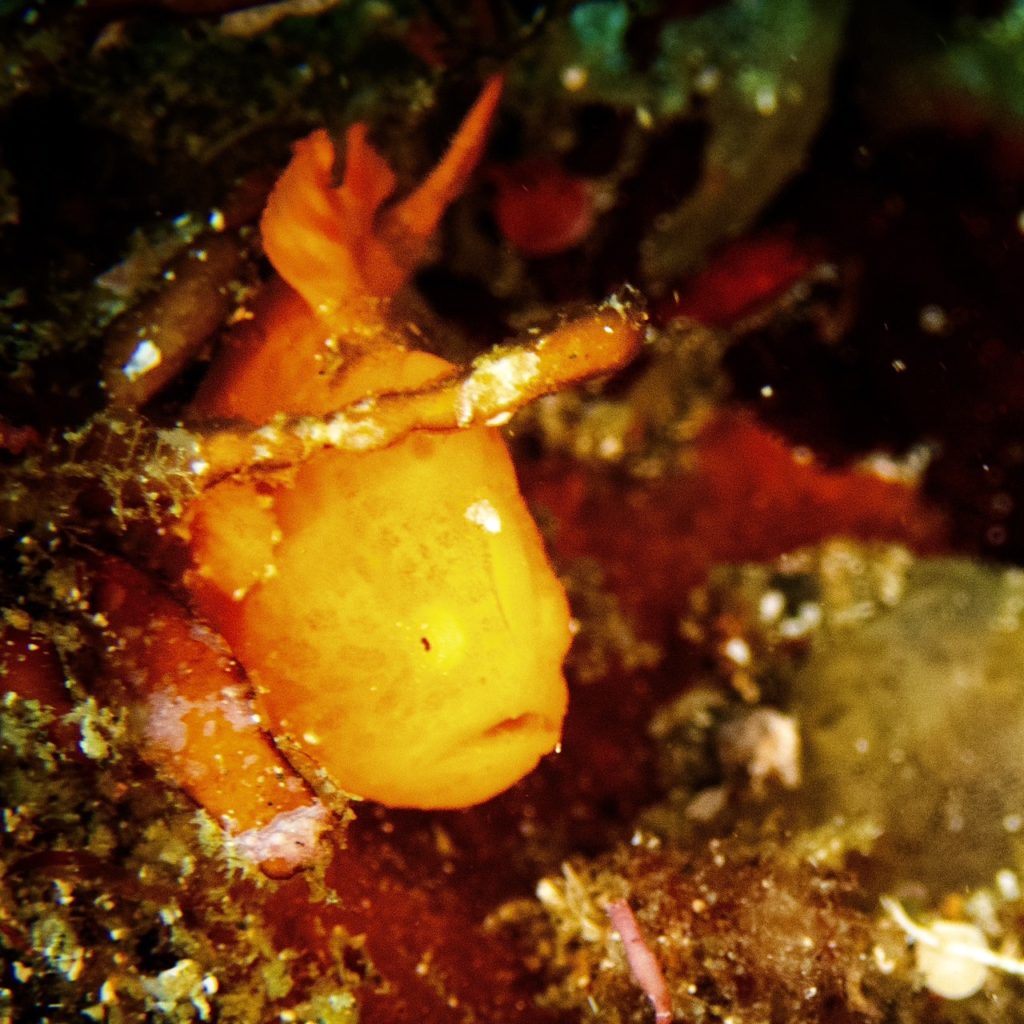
(642, 964)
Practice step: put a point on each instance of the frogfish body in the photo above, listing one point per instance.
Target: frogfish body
(394, 609)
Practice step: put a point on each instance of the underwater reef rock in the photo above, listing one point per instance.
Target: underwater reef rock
(912, 708)
(904, 676)
(738, 936)
(770, 884)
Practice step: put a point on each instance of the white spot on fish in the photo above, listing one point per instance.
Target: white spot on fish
(485, 515)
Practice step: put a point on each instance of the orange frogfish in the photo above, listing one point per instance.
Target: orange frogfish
(393, 608)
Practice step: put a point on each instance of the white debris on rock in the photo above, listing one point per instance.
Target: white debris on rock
(181, 986)
(952, 957)
(766, 744)
(291, 838)
(146, 357)
(496, 381)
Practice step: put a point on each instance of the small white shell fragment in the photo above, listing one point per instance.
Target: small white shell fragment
(1008, 884)
(146, 357)
(766, 743)
(953, 957)
(944, 968)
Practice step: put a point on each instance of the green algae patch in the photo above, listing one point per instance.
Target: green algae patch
(740, 89)
(904, 677)
(914, 721)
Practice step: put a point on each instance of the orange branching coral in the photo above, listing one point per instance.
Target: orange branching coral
(365, 552)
